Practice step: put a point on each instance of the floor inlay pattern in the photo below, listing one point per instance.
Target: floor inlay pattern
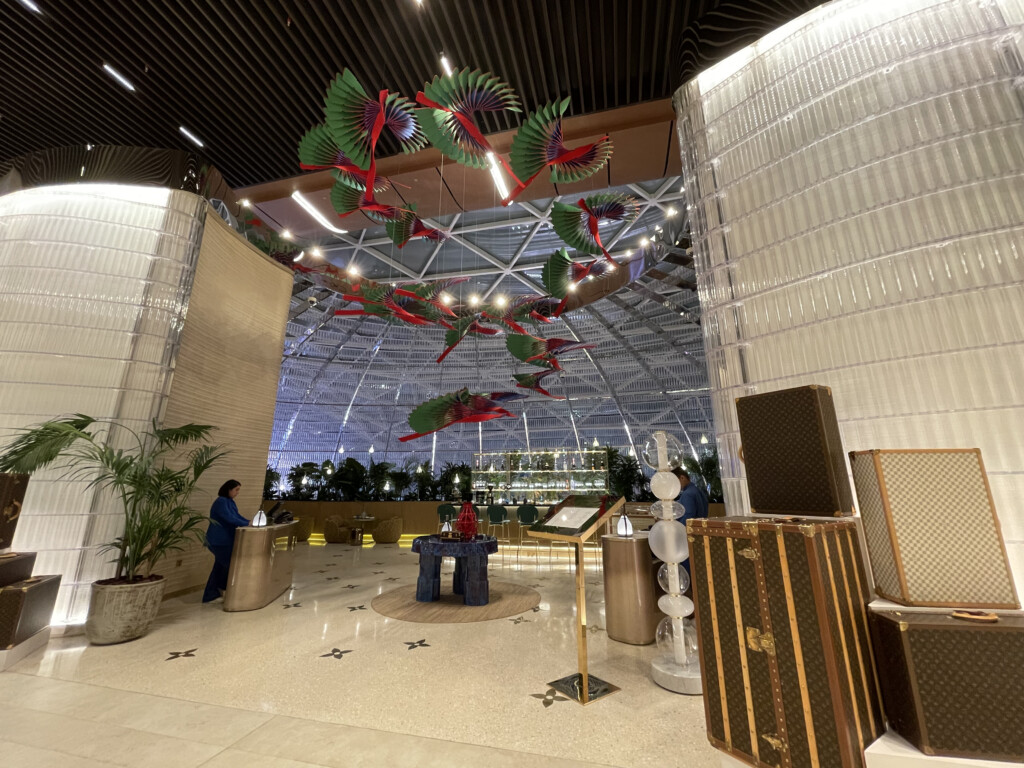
(327, 685)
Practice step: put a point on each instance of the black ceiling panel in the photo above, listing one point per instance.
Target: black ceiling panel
(248, 76)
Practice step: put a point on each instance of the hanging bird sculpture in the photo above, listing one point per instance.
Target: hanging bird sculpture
(462, 407)
(530, 349)
(538, 145)
(532, 381)
(578, 225)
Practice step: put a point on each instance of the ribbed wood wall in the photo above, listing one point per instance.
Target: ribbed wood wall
(226, 373)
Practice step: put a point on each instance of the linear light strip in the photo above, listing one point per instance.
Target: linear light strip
(311, 209)
(124, 81)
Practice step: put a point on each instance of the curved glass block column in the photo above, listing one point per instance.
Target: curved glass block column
(95, 281)
(856, 188)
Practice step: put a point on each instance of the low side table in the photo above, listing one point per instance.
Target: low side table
(470, 578)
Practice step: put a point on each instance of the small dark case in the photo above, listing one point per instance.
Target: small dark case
(25, 608)
(16, 566)
(793, 453)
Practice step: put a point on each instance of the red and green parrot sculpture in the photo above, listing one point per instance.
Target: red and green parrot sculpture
(458, 408)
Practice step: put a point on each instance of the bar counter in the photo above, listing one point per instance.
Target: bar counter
(261, 565)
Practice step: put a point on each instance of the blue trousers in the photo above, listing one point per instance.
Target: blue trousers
(219, 575)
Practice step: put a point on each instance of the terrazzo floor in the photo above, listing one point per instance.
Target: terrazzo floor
(317, 678)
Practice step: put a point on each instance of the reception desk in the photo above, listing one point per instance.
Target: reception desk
(261, 565)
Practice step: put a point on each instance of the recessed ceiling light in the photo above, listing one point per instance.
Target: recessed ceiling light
(31, 6)
(446, 299)
(572, 287)
(500, 301)
(315, 252)
(124, 81)
(474, 300)
(311, 209)
(244, 202)
(286, 234)
(445, 65)
(644, 241)
(670, 212)
(190, 136)
(353, 269)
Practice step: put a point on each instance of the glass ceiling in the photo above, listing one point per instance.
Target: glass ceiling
(349, 383)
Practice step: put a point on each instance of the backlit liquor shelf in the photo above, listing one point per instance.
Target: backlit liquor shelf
(538, 477)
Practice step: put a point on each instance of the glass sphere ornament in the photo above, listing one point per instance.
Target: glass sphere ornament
(684, 578)
(673, 453)
(665, 636)
(668, 541)
(667, 510)
(665, 485)
(675, 605)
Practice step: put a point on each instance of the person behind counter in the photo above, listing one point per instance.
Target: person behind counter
(220, 537)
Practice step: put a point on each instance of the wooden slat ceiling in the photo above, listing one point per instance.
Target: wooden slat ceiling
(248, 76)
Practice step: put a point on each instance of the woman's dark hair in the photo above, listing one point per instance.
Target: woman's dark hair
(228, 487)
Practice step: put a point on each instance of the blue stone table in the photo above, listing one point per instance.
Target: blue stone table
(470, 567)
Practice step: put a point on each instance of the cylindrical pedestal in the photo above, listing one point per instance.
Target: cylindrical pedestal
(630, 589)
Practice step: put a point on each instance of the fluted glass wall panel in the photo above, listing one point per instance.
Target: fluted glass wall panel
(856, 191)
(94, 281)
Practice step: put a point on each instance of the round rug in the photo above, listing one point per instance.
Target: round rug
(506, 600)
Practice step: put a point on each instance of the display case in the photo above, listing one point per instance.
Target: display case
(538, 477)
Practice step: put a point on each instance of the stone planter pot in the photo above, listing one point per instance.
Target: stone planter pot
(120, 612)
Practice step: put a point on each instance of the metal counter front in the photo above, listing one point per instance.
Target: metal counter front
(261, 566)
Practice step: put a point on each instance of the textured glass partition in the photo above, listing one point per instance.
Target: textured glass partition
(856, 187)
(94, 284)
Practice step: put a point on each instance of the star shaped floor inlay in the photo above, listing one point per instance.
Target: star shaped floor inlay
(335, 653)
(189, 654)
(357, 608)
(519, 620)
(549, 697)
(332, 578)
(417, 644)
(293, 605)
(351, 586)
(392, 578)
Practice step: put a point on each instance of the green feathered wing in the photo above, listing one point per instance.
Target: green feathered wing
(524, 347)
(556, 273)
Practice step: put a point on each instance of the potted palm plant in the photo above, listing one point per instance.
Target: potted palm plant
(153, 481)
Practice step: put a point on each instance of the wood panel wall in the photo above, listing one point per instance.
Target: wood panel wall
(226, 373)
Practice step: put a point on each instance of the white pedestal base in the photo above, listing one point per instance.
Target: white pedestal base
(669, 675)
(893, 751)
(13, 655)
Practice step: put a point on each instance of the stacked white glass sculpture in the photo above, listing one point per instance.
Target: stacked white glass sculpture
(677, 666)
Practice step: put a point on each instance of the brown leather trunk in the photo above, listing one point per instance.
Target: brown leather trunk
(16, 566)
(12, 494)
(781, 609)
(953, 686)
(25, 608)
(793, 453)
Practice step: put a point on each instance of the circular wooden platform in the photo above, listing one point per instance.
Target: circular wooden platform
(506, 600)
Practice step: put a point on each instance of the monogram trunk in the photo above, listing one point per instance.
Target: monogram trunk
(793, 453)
(781, 611)
(931, 528)
(25, 608)
(952, 681)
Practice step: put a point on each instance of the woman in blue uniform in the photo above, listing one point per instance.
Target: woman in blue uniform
(220, 537)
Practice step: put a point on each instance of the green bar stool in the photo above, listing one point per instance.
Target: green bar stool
(526, 516)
